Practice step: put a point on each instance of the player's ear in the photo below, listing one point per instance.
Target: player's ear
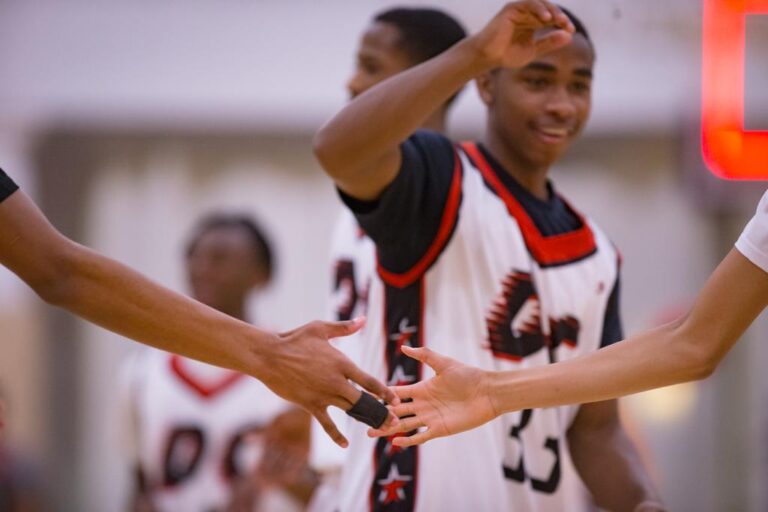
(486, 86)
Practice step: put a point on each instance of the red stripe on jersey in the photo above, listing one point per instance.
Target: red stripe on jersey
(546, 250)
(447, 223)
(206, 391)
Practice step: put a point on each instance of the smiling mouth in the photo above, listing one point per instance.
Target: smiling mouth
(553, 135)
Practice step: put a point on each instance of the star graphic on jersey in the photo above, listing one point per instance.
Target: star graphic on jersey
(403, 337)
(399, 377)
(392, 486)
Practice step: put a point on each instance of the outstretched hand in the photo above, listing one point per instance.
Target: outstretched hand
(513, 38)
(302, 367)
(454, 400)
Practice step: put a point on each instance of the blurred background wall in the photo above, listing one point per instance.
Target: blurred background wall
(128, 120)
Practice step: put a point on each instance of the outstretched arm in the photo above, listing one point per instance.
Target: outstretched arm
(301, 366)
(691, 347)
(359, 147)
(461, 397)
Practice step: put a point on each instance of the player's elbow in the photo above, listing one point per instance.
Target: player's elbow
(698, 355)
(56, 282)
(329, 152)
(704, 363)
(324, 152)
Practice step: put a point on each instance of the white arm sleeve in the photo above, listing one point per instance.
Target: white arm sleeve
(753, 242)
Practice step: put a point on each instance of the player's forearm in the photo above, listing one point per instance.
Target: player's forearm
(688, 349)
(117, 298)
(661, 357)
(378, 121)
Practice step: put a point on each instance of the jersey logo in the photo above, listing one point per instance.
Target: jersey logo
(347, 296)
(244, 452)
(183, 452)
(392, 486)
(550, 481)
(187, 446)
(514, 322)
(405, 332)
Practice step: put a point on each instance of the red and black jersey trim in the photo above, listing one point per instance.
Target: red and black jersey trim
(201, 388)
(444, 233)
(548, 251)
(395, 469)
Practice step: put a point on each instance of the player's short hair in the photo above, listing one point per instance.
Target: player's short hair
(424, 32)
(261, 245)
(578, 25)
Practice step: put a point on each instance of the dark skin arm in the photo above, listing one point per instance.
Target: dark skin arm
(364, 157)
(300, 365)
(608, 462)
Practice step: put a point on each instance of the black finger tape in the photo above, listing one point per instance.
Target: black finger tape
(369, 411)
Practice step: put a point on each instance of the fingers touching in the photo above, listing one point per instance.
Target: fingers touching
(372, 385)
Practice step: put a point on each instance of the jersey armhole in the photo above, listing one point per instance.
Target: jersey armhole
(443, 235)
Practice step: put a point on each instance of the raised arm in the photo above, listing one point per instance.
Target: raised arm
(359, 147)
(461, 397)
(300, 365)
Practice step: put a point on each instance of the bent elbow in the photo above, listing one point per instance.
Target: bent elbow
(699, 353)
(54, 284)
(323, 149)
(704, 365)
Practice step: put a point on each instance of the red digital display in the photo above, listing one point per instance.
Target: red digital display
(730, 151)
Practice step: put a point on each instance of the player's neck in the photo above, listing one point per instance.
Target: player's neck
(530, 175)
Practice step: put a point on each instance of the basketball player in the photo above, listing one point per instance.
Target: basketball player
(396, 39)
(300, 366)
(473, 243)
(199, 431)
(463, 397)
(21, 487)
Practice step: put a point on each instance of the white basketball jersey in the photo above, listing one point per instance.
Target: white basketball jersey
(493, 292)
(753, 242)
(354, 266)
(196, 428)
(353, 257)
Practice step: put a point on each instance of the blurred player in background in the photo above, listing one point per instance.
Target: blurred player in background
(298, 365)
(395, 40)
(474, 244)
(20, 483)
(206, 438)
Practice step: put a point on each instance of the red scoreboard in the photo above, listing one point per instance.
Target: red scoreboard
(730, 151)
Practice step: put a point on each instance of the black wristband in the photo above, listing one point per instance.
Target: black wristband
(369, 411)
